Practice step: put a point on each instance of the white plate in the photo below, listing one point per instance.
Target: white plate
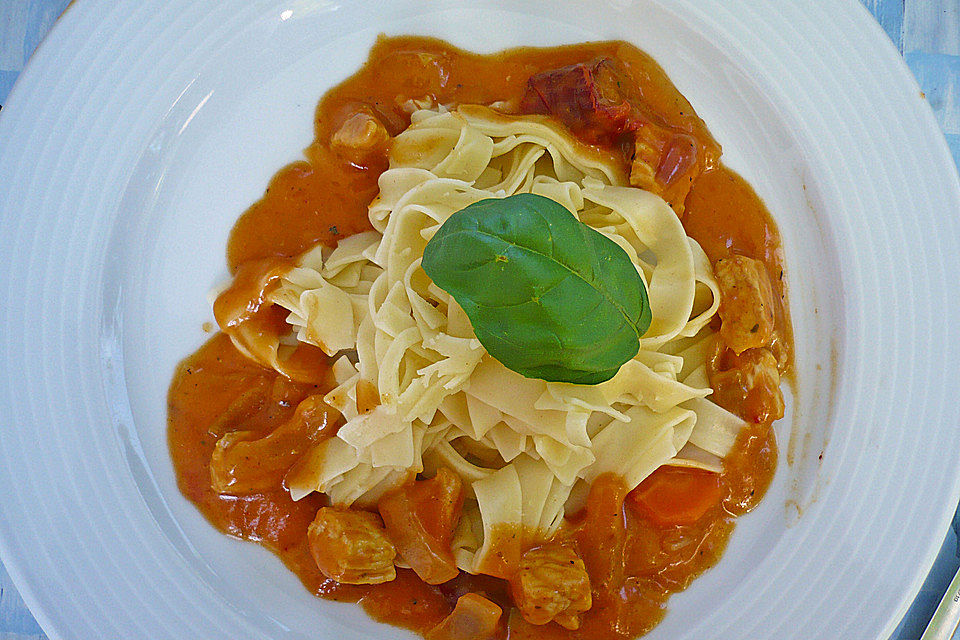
(142, 128)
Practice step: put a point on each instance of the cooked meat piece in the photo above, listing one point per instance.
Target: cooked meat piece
(420, 518)
(247, 403)
(746, 303)
(360, 135)
(473, 618)
(351, 546)
(678, 157)
(646, 158)
(665, 163)
(552, 584)
(592, 99)
(747, 384)
(243, 464)
(601, 104)
(661, 157)
(601, 534)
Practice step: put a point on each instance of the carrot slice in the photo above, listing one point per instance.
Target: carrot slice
(676, 495)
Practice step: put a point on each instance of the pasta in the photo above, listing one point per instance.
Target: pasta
(417, 390)
(494, 371)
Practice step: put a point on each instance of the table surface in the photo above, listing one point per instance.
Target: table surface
(927, 33)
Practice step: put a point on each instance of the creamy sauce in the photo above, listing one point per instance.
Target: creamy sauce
(634, 564)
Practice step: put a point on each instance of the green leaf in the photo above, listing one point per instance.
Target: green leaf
(548, 296)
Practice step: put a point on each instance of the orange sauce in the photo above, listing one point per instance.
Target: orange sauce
(634, 564)
(725, 215)
(323, 199)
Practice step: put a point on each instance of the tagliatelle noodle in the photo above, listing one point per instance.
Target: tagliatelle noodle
(525, 448)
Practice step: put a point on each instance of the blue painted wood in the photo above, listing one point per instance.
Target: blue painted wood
(939, 77)
(15, 618)
(889, 13)
(926, 31)
(7, 79)
(23, 24)
(931, 47)
(932, 27)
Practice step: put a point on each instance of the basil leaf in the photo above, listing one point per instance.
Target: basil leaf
(548, 296)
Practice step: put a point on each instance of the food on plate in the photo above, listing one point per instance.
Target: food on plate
(501, 357)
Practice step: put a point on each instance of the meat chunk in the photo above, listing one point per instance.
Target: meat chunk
(661, 157)
(665, 162)
(746, 303)
(473, 618)
(602, 533)
(552, 584)
(677, 159)
(420, 518)
(242, 464)
(351, 546)
(361, 135)
(600, 103)
(747, 384)
(590, 98)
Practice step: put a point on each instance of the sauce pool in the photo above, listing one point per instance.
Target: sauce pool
(634, 564)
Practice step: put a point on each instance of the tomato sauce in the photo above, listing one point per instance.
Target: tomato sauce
(634, 563)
